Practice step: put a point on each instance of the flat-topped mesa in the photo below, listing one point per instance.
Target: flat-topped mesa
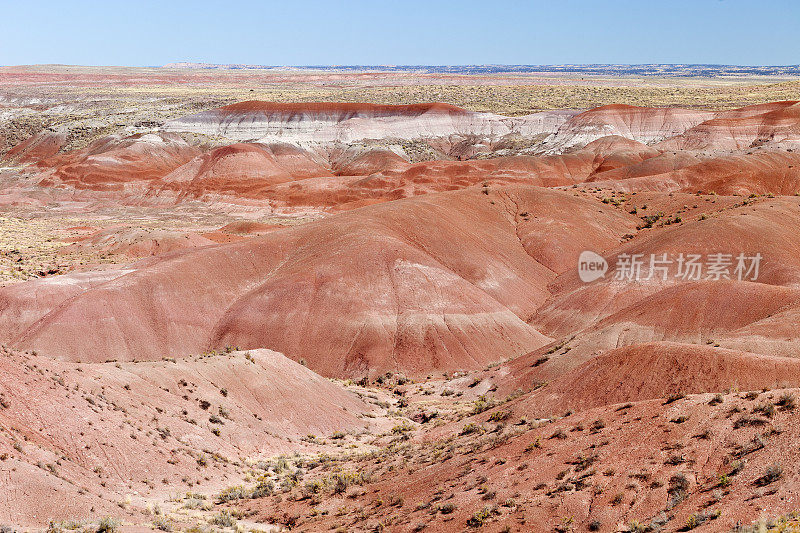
(324, 122)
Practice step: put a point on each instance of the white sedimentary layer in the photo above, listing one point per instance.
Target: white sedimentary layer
(326, 127)
(645, 125)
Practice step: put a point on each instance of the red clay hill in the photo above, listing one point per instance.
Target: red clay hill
(425, 259)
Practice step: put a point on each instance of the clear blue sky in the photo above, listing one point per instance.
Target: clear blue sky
(311, 32)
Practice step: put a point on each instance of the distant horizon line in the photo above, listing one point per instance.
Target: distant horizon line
(475, 65)
(408, 65)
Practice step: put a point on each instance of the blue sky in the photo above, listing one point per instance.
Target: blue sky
(377, 32)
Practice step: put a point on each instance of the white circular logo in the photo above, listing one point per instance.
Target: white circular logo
(591, 266)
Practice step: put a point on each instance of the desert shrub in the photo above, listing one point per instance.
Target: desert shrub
(786, 402)
(402, 428)
(280, 464)
(343, 480)
(770, 475)
(757, 443)
(107, 525)
(54, 526)
(675, 459)
(447, 508)
(224, 519)
(470, 428)
(766, 409)
(678, 489)
(749, 421)
(499, 416)
(337, 483)
(674, 397)
(237, 492)
(698, 519)
(533, 445)
(264, 487)
(162, 524)
(314, 486)
(288, 484)
(706, 434)
(634, 526)
(584, 461)
(194, 502)
(736, 467)
(480, 517)
(482, 404)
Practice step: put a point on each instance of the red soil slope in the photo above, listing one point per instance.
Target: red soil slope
(763, 172)
(102, 432)
(657, 370)
(370, 162)
(630, 312)
(36, 148)
(689, 464)
(405, 181)
(436, 282)
(775, 125)
(238, 170)
(137, 242)
(111, 162)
